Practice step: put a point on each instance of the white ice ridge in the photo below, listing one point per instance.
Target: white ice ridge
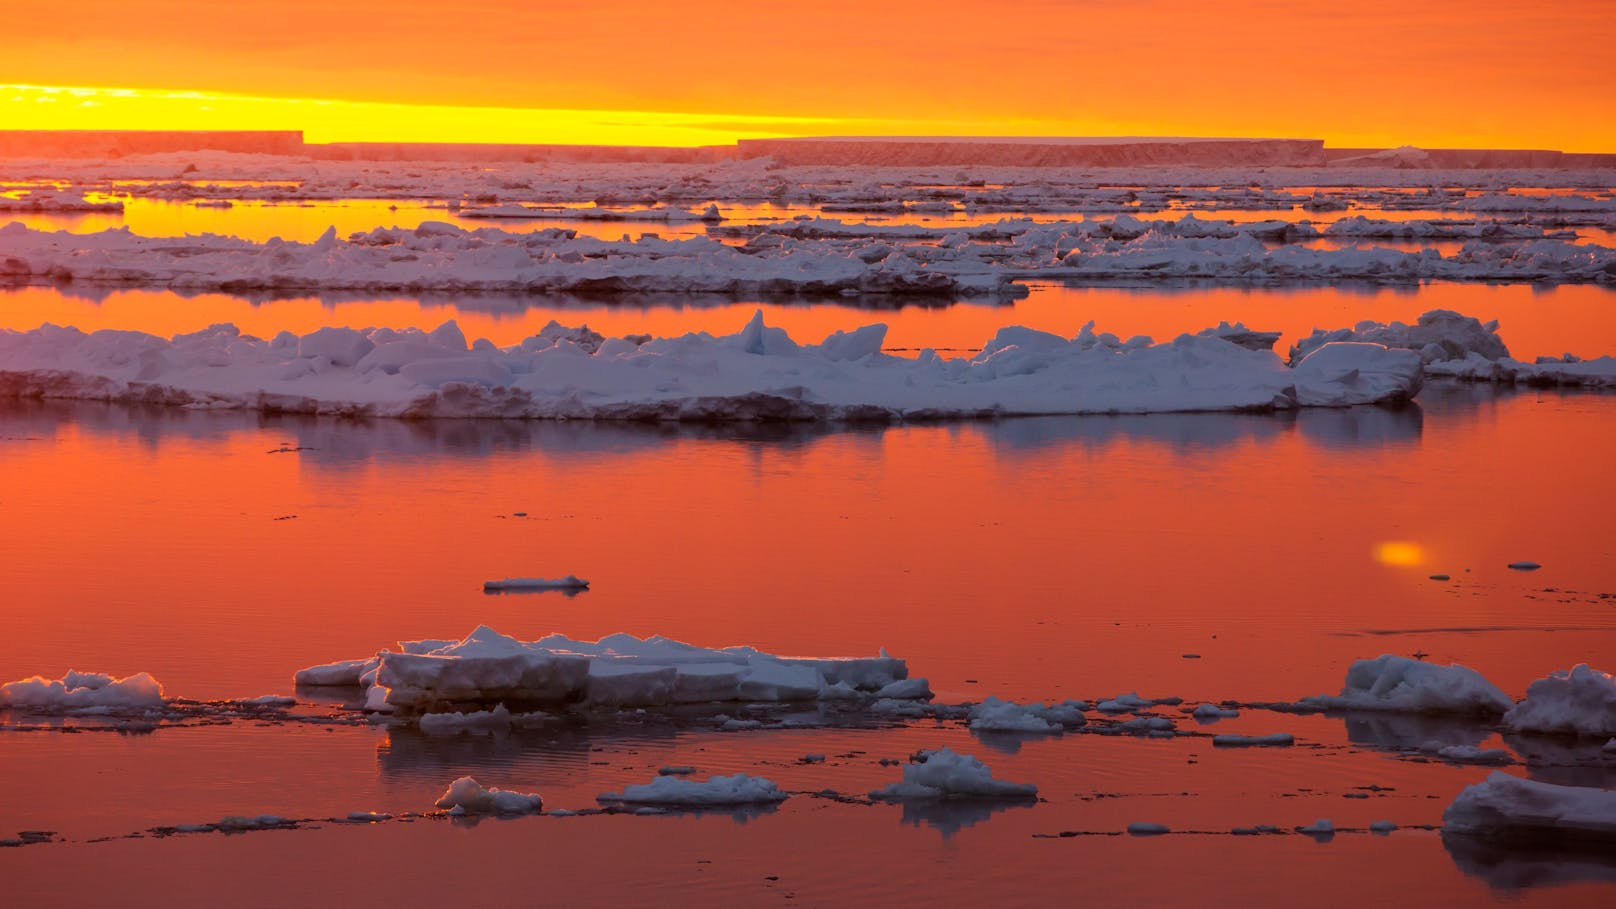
(825, 257)
(944, 774)
(1400, 684)
(1579, 702)
(718, 791)
(83, 691)
(620, 670)
(995, 715)
(1458, 346)
(466, 796)
(757, 373)
(570, 582)
(1503, 806)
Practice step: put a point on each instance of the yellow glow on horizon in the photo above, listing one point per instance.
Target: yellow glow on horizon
(327, 120)
(1399, 553)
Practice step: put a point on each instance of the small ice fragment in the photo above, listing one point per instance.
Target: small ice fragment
(1382, 827)
(253, 822)
(1440, 577)
(469, 797)
(1140, 828)
(1524, 566)
(570, 582)
(1276, 740)
(1469, 754)
(1321, 828)
(1213, 712)
(813, 759)
(369, 816)
(947, 774)
(675, 770)
(739, 789)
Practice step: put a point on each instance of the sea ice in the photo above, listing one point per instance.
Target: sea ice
(1211, 712)
(83, 690)
(619, 670)
(569, 582)
(995, 715)
(467, 796)
(1468, 754)
(1401, 684)
(719, 791)
(1581, 701)
(1143, 828)
(946, 774)
(757, 374)
(1277, 739)
(1126, 703)
(1505, 805)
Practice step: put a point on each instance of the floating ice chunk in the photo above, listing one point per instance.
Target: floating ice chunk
(1581, 701)
(252, 822)
(1275, 740)
(1321, 828)
(995, 715)
(1143, 828)
(267, 700)
(1213, 712)
(83, 690)
(1125, 703)
(1381, 827)
(946, 774)
(1524, 566)
(480, 722)
(1439, 334)
(906, 689)
(674, 790)
(1503, 805)
(569, 582)
(1401, 684)
(339, 674)
(1148, 725)
(369, 816)
(1610, 746)
(1468, 754)
(467, 795)
(676, 770)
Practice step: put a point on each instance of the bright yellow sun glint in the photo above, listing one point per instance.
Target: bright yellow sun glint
(1399, 552)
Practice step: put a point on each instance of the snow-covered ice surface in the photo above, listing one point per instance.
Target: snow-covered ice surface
(678, 791)
(1581, 701)
(946, 774)
(82, 691)
(1504, 806)
(1401, 684)
(757, 373)
(619, 670)
(995, 715)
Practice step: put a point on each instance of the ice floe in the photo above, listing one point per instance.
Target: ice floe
(1273, 740)
(944, 773)
(1504, 805)
(995, 715)
(1581, 701)
(758, 373)
(567, 583)
(1131, 701)
(83, 691)
(1395, 683)
(489, 668)
(719, 791)
(466, 796)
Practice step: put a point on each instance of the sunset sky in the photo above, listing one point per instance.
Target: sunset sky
(1493, 73)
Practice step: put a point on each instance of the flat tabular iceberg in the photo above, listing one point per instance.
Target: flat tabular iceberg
(1504, 805)
(83, 691)
(757, 374)
(1400, 684)
(943, 774)
(489, 668)
(1579, 702)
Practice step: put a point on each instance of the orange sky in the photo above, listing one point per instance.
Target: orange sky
(1372, 72)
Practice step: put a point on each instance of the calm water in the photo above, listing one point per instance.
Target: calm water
(1069, 557)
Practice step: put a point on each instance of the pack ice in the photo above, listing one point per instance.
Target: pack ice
(488, 668)
(1400, 684)
(757, 373)
(83, 691)
(1508, 806)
